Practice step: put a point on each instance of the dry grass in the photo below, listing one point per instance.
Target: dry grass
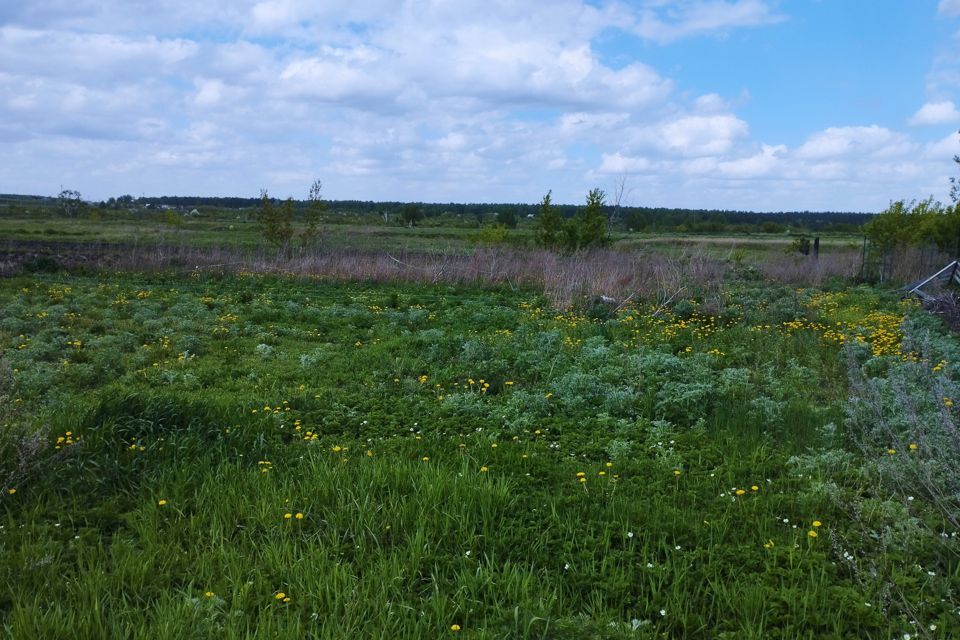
(566, 280)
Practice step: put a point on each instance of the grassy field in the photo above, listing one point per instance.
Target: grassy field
(234, 455)
(236, 230)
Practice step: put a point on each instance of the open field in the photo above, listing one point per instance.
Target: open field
(234, 455)
(237, 230)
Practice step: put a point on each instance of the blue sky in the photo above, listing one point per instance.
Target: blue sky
(735, 104)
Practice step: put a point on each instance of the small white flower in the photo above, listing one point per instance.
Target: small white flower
(663, 612)
(677, 547)
(566, 567)
(629, 534)
(649, 565)
(933, 627)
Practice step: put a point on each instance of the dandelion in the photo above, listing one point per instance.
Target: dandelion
(161, 502)
(337, 448)
(581, 474)
(483, 469)
(287, 516)
(812, 533)
(582, 480)
(740, 492)
(454, 628)
(768, 544)
(10, 492)
(754, 488)
(817, 523)
(891, 452)
(913, 446)
(426, 458)
(209, 594)
(676, 472)
(493, 446)
(609, 465)
(299, 516)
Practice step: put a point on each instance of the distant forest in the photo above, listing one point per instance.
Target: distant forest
(639, 219)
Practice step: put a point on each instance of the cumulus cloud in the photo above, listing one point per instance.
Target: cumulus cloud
(931, 113)
(861, 141)
(762, 163)
(416, 100)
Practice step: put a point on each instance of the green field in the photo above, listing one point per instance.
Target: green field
(218, 455)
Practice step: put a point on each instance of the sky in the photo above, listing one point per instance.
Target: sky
(765, 105)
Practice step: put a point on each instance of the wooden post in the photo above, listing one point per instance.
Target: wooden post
(816, 248)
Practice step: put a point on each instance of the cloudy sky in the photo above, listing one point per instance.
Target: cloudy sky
(746, 104)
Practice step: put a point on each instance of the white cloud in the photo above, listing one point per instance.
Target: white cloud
(617, 164)
(760, 164)
(669, 21)
(417, 100)
(854, 141)
(944, 112)
(949, 7)
(688, 135)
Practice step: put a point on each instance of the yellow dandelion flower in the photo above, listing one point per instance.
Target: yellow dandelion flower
(891, 452)
(483, 469)
(582, 480)
(287, 516)
(454, 627)
(426, 458)
(676, 472)
(913, 446)
(581, 474)
(740, 492)
(280, 595)
(161, 502)
(817, 523)
(209, 594)
(754, 488)
(812, 533)
(11, 491)
(299, 516)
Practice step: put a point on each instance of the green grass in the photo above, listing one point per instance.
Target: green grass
(431, 438)
(238, 231)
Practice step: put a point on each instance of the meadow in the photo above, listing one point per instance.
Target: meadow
(199, 453)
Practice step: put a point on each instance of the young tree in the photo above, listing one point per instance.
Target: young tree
(69, 202)
(275, 222)
(315, 210)
(593, 224)
(549, 229)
